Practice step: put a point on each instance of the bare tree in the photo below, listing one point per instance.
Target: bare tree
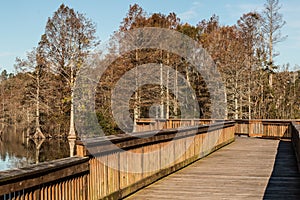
(33, 66)
(272, 22)
(249, 25)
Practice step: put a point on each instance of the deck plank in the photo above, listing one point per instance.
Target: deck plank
(249, 168)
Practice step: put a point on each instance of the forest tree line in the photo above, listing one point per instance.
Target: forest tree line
(38, 98)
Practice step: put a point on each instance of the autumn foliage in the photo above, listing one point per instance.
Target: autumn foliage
(241, 52)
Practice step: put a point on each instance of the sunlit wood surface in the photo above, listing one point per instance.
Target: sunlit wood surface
(249, 168)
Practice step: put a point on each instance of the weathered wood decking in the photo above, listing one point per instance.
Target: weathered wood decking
(249, 168)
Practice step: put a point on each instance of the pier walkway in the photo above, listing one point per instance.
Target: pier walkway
(248, 168)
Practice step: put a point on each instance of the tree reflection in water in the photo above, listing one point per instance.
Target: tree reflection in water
(17, 151)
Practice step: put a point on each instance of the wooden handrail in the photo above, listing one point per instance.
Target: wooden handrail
(43, 175)
(113, 143)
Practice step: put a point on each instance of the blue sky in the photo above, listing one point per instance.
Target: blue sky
(22, 22)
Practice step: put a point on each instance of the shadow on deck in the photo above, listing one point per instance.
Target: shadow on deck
(284, 181)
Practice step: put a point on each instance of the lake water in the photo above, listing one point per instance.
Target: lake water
(17, 151)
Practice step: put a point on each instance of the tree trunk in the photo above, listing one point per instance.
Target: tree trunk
(175, 108)
(72, 132)
(236, 112)
(161, 92)
(38, 145)
(136, 110)
(271, 60)
(249, 102)
(226, 106)
(236, 115)
(38, 133)
(249, 88)
(72, 146)
(188, 80)
(271, 79)
(168, 97)
(167, 92)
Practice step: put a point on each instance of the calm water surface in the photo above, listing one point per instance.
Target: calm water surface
(17, 151)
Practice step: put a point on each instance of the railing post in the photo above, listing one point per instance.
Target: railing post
(80, 149)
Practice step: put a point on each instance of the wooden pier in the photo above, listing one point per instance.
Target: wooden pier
(185, 161)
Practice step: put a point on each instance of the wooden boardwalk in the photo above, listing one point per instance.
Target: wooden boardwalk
(249, 168)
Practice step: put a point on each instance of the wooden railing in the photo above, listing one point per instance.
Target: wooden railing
(148, 124)
(149, 156)
(254, 128)
(115, 166)
(60, 179)
(264, 128)
(296, 141)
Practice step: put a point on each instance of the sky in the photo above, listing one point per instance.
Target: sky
(23, 22)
